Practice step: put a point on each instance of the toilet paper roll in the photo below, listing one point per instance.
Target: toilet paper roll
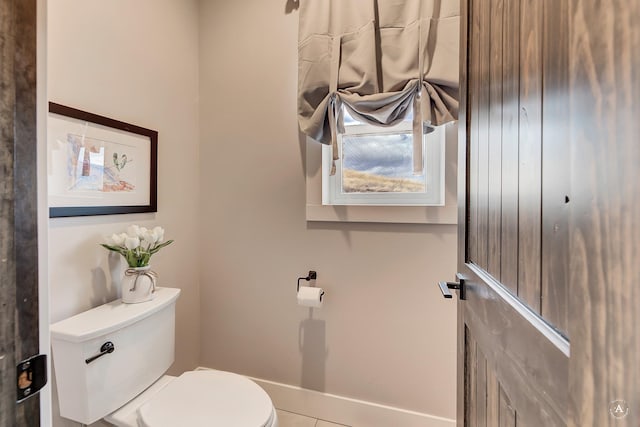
(310, 297)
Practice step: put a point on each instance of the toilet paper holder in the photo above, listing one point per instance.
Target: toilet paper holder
(311, 276)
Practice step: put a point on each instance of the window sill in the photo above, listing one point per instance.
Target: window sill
(447, 214)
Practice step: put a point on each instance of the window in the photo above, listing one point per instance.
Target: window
(375, 166)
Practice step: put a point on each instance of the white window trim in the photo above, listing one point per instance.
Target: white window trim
(433, 147)
(447, 214)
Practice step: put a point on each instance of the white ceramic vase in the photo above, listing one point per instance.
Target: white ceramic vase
(138, 285)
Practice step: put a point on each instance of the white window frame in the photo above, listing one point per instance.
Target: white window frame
(324, 216)
(434, 164)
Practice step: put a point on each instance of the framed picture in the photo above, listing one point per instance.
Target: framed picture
(99, 166)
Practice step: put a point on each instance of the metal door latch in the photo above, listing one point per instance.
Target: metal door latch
(31, 376)
(458, 286)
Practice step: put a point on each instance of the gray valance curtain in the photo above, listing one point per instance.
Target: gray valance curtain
(378, 58)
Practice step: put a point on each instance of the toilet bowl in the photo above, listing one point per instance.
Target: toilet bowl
(127, 386)
(199, 398)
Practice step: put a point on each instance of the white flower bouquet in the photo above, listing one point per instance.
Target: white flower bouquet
(137, 244)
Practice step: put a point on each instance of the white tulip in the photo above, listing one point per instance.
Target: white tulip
(118, 239)
(133, 231)
(137, 244)
(150, 237)
(131, 243)
(159, 232)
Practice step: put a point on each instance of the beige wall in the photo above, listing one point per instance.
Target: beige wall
(137, 62)
(385, 334)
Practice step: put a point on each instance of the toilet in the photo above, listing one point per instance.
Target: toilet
(110, 364)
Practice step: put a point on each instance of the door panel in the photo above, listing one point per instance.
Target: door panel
(605, 212)
(25, 172)
(18, 210)
(472, 99)
(515, 360)
(528, 358)
(493, 166)
(569, 214)
(510, 152)
(490, 404)
(556, 166)
(519, 240)
(481, 116)
(530, 151)
(7, 245)
(507, 413)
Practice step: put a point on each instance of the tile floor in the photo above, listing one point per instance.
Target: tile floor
(289, 419)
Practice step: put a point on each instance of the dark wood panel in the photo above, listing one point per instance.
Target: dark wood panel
(462, 369)
(519, 364)
(556, 166)
(529, 358)
(494, 163)
(474, 131)
(510, 160)
(464, 216)
(477, 384)
(18, 240)
(530, 152)
(481, 389)
(470, 383)
(493, 399)
(7, 198)
(507, 413)
(485, 392)
(26, 237)
(482, 118)
(520, 422)
(605, 211)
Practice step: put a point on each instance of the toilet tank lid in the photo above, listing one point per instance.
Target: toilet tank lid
(110, 317)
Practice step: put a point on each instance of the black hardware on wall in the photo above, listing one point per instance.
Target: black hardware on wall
(31, 376)
(312, 276)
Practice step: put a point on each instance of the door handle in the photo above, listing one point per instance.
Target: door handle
(445, 286)
(458, 286)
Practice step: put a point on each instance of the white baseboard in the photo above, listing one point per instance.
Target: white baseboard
(344, 410)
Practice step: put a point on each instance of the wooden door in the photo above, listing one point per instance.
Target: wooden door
(549, 221)
(18, 219)
(513, 334)
(604, 373)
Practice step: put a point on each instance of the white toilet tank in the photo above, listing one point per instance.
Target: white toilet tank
(143, 337)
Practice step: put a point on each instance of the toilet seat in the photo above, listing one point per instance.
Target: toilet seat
(208, 398)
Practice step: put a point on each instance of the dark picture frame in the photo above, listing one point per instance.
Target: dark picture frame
(89, 171)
